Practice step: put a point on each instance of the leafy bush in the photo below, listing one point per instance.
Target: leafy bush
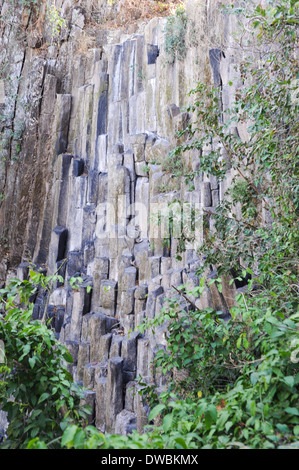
(175, 31)
(36, 389)
(242, 369)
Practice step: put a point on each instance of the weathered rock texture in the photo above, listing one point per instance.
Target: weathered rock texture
(85, 138)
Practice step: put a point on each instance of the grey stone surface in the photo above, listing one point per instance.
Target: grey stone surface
(143, 358)
(114, 391)
(104, 347)
(142, 413)
(116, 345)
(129, 396)
(141, 258)
(99, 325)
(101, 404)
(85, 332)
(73, 347)
(88, 376)
(141, 292)
(128, 280)
(74, 263)
(83, 358)
(151, 301)
(206, 198)
(125, 422)
(100, 370)
(138, 146)
(61, 240)
(127, 302)
(90, 400)
(129, 352)
(100, 272)
(154, 267)
(108, 296)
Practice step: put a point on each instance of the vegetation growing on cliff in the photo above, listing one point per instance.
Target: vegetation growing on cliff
(34, 371)
(241, 380)
(175, 32)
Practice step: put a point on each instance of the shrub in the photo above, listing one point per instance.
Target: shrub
(36, 389)
(175, 35)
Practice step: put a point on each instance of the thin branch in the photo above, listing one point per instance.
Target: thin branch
(186, 298)
(231, 218)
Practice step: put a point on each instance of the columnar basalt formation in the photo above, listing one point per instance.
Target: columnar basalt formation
(98, 126)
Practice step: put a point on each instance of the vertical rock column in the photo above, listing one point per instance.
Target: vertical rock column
(114, 391)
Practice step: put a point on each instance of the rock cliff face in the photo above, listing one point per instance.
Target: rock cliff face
(85, 138)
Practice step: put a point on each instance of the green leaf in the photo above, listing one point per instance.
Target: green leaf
(210, 416)
(68, 436)
(156, 411)
(36, 444)
(43, 397)
(228, 425)
(32, 361)
(35, 276)
(25, 351)
(79, 439)
(292, 411)
(283, 428)
(254, 378)
(253, 408)
(289, 380)
(181, 442)
(245, 342)
(167, 422)
(35, 431)
(67, 357)
(224, 415)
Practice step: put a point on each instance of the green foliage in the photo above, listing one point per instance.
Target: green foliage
(29, 3)
(10, 135)
(241, 192)
(145, 169)
(178, 431)
(173, 165)
(36, 389)
(75, 283)
(56, 22)
(175, 35)
(140, 74)
(178, 221)
(243, 367)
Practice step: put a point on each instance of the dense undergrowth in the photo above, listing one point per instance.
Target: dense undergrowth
(240, 385)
